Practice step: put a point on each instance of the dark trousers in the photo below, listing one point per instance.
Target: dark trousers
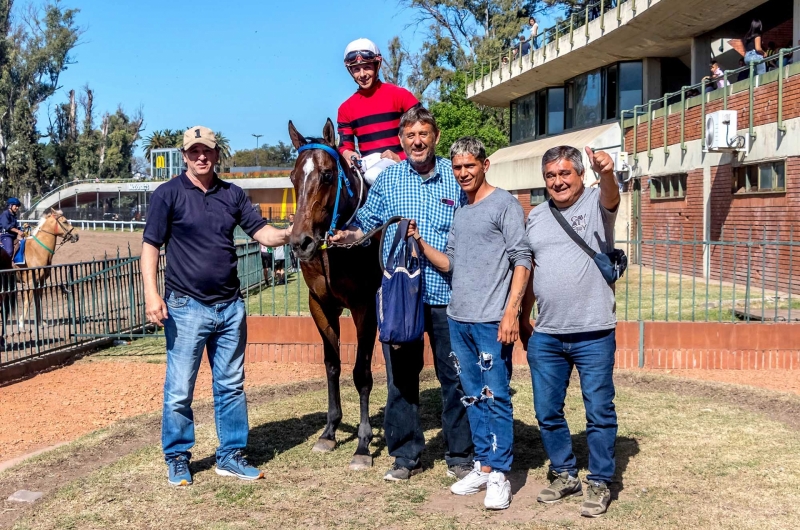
(401, 424)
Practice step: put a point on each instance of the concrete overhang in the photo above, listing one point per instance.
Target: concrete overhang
(519, 167)
(105, 188)
(662, 28)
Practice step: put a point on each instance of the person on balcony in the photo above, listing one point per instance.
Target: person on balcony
(753, 52)
(10, 230)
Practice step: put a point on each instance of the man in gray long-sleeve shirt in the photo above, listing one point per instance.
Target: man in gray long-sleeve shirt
(490, 259)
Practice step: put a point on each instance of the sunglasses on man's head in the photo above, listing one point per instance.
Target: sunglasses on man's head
(361, 56)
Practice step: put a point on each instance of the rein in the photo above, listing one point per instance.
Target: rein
(66, 234)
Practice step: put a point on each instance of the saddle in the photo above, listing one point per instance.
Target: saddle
(19, 253)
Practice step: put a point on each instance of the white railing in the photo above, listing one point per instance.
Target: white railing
(101, 225)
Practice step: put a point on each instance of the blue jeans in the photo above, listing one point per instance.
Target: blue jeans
(401, 423)
(7, 242)
(222, 330)
(551, 358)
(484, 366)
(753, 56)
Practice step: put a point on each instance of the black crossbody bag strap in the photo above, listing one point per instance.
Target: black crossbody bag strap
(570, 232)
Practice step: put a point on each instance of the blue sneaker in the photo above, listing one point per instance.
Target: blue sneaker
(236, 466)
(179, 474)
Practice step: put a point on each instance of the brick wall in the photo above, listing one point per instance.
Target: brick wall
(524, 198)
(765, 111)
(674, 220)
(667, 345)
(781, 35)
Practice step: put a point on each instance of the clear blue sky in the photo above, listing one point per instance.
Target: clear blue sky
(241, 67)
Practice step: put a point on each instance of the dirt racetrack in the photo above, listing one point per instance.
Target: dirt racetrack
(93, 244)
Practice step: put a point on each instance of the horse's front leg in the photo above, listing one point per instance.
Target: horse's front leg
(327, 320)
(366, 328)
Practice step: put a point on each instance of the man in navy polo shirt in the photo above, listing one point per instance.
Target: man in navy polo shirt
(194, 216)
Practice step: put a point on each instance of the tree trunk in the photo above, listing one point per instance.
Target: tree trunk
(104, 131)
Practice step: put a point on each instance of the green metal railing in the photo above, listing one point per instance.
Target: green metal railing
(698, 95)
(503, 63)
(82, 302)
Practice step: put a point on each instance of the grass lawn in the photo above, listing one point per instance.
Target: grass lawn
(683, 461)
(288, 299)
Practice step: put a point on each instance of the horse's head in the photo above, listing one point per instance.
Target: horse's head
(316, 182)
(60, 226)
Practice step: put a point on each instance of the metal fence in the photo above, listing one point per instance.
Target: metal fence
(672, 276)
(70, 305)
(742, 277)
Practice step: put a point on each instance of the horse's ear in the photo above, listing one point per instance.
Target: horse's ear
(329, 133)
(297, 139)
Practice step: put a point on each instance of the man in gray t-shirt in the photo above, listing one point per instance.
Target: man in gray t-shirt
(576, 322)
(488, 255)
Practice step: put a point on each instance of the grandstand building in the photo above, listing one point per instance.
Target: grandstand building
(621, 79)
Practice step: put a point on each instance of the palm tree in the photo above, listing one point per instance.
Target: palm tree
(224, 149)
(156, 140)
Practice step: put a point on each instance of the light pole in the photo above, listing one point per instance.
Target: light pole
(257, 137)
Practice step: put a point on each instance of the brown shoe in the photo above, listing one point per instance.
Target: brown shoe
(597, 498)
(564, 485)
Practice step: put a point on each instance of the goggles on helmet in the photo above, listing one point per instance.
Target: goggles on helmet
(361, 56)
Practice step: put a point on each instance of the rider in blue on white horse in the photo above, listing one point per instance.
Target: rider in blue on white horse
(10, 228)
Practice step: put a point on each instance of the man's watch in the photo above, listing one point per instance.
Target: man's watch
(417, 236)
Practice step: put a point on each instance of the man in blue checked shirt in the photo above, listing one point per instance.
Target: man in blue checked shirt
(422, 187)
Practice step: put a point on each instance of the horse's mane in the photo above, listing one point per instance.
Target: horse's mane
(44, 218)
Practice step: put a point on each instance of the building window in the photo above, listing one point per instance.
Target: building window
(668, 187)
(538, 196)
(630, 84)
(555, 110)
(611, 92)
(587, 101)
(523, 118)
(766, 177)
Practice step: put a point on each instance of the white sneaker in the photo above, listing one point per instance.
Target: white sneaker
(498, 492)
(472, 483)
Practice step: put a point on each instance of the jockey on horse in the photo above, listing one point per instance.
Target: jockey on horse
(10, 229)
(372, 114)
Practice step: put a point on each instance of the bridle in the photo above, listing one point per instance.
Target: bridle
(66, 235)
(341, 182)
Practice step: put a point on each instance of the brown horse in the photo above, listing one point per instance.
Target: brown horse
(40, 248)
(337, 278)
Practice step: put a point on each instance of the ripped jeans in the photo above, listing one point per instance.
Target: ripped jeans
(484, 366)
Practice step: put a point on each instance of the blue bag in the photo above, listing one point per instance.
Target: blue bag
(399, 302)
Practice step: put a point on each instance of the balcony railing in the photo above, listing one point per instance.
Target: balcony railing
(575, 24)
(692, 95)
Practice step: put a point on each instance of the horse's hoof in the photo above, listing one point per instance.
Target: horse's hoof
(324, 445)
(361, 462)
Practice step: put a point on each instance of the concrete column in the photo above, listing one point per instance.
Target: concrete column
(706, 216)
(701, 57)
(651, 79)
(796, 29)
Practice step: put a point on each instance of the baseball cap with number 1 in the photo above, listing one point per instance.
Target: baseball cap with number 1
(199, 135)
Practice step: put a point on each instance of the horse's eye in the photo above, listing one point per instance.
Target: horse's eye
(327, 177)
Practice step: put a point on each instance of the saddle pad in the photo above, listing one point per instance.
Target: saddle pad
(19, 257)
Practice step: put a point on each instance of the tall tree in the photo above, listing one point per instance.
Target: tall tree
(34, 53)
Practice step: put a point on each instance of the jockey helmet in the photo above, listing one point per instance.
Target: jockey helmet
(361, 51)
(13, 201)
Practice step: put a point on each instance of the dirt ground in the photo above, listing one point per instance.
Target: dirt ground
(93, 244)
(100, 389)
(65, 403)
(780, 380)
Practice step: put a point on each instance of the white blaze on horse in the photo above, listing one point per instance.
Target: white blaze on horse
(40, 247)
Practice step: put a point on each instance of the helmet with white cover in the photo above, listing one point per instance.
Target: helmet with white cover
(362, 51)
